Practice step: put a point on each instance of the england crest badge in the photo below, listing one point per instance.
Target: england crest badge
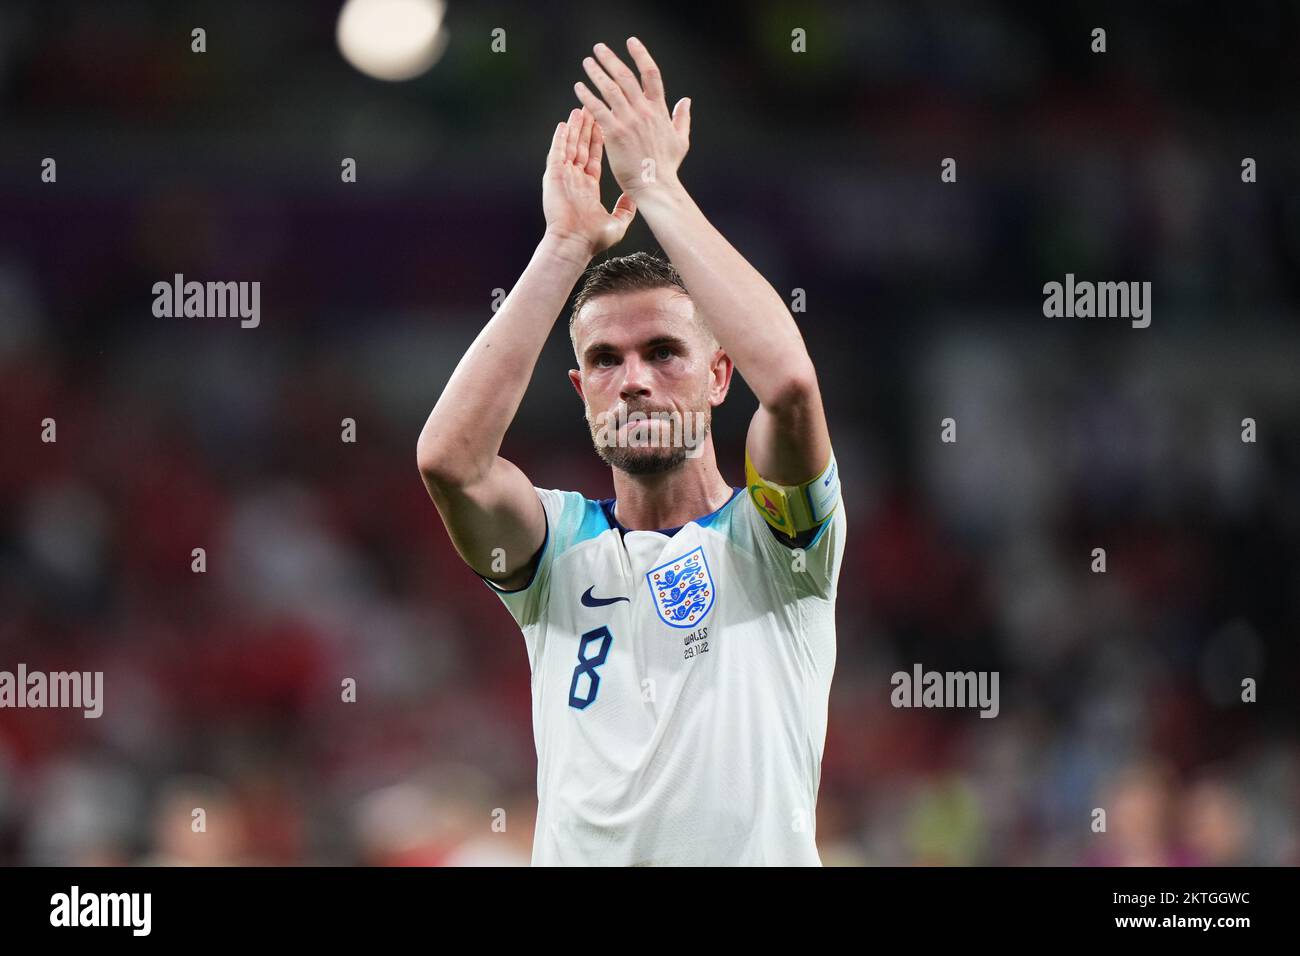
(682, 589)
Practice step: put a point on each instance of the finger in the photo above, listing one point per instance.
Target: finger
(608, 88)
(584, 139)
(597, 150)
(593, 103)
(682, 117)
(651, 79)
(571, 141)
(619, 72)
(624, 209)
(557, 144)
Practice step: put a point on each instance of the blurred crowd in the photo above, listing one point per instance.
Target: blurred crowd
(326, 564)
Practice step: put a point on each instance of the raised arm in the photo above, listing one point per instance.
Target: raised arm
(788, 440)
(485, 501)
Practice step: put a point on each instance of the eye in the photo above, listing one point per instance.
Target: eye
(604, 360)
(663, 353)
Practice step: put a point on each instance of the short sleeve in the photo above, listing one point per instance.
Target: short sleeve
(813, 569)
(569, 519)
(526, 604)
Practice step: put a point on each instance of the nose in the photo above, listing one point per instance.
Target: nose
(636, 379)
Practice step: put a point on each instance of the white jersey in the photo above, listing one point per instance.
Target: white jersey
(680, 683)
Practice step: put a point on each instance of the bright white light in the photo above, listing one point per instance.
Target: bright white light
(392, 39)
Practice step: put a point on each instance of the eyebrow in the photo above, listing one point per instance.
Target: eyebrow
(597, 348)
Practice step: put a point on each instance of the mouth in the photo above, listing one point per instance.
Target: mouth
(644, 426)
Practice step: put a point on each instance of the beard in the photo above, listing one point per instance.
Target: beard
(642, 461)
(667, 450)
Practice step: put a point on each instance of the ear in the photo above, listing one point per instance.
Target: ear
(576, 378)
(720, 368)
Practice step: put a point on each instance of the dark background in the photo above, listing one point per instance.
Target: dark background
(924, 300)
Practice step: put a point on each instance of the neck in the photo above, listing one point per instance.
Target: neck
(669, 499)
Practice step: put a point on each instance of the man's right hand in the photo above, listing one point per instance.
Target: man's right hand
(490, 507)
(571, 188)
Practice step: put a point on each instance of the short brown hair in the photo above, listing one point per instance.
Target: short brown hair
(640, 270)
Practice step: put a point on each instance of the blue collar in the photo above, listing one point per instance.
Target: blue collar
(607, 506)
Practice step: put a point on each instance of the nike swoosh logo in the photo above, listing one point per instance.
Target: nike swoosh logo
(590, 601)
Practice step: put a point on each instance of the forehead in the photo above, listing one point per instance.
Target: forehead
(628, 318)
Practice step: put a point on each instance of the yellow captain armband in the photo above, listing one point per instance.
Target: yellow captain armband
(791, 509)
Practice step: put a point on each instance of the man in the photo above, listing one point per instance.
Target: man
(681, 634)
